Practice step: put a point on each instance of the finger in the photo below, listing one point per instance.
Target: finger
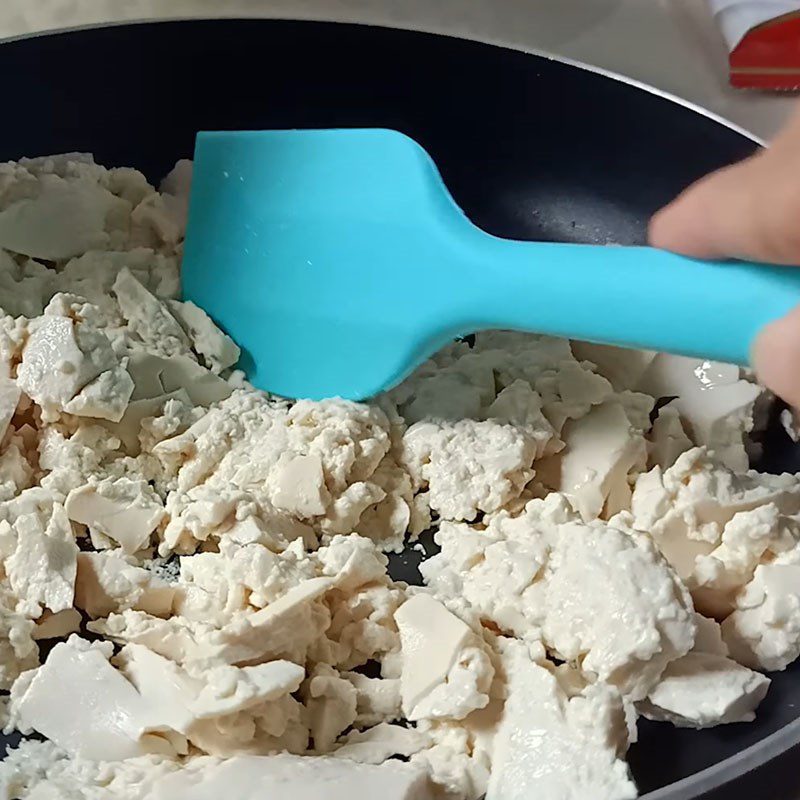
(748, 211)
(715, 217)
(776, 357)
(700, 221)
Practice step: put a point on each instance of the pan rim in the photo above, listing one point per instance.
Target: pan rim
(747, 760)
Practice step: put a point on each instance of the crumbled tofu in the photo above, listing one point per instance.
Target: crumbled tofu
(708, 638)
(218, 350)
(229, 690)
(99, 718)
(23, 287)
(667, 439)
(74, 459)
(254, 777)
(58, 625)
(16, 470)
(400, 512)
(462, 382)
(40, 770)
(364, 628)
(702, 690)
(763, 632)
(715, 526)
(353, 561)
(92, 275)
(130, 431)
(552, 746)
(298, 486)
(9, 400)
(18, 649)
(331, 703)
(107, 582)
(448, 394)
(275, 727)
(623, 367)
(200, 706)
(789, 422)
(239, 450)
(178, 181)
(249, 576)
(60, 358)
(148, 318)
(604, 452)
(105, 397)
(123, 510)
(177, 638)
(492, 571)
(748, 539)
(286, 628)
(445, 672)
(229, 546)
(154, 377)
(160, 219)
(468, 466)
(41, 569)
(712, 399)
(460, 754)
(63, 219)
(377, 699)
(380, 743)
(521, 406)
(568, 584)
(600, 577)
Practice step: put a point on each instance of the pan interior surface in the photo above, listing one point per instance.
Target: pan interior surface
(531, 148)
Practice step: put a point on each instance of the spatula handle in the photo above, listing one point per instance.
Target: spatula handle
(631, 296)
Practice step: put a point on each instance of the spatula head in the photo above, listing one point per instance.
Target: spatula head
(325, 254)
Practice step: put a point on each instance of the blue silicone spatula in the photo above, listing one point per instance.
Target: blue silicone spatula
(338, 261)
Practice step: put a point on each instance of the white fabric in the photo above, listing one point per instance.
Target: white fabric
(737, 17)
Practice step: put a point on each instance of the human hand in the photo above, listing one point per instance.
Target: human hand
(750, 210)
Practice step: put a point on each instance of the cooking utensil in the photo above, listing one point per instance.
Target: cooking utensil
(348, 263)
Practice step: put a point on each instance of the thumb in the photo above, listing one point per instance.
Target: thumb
(776, 357)
(749, 211)
(705, 221)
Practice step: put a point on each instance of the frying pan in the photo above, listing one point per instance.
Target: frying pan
(531, 148)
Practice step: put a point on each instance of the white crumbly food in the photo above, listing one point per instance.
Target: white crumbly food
(566, 747)
(714, 401)
(588, 592)
(705, 688)
(445, 671)
(716, 526)
(763, 631)
(205, 564)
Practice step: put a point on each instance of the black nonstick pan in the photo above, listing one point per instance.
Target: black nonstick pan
(532, 148)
